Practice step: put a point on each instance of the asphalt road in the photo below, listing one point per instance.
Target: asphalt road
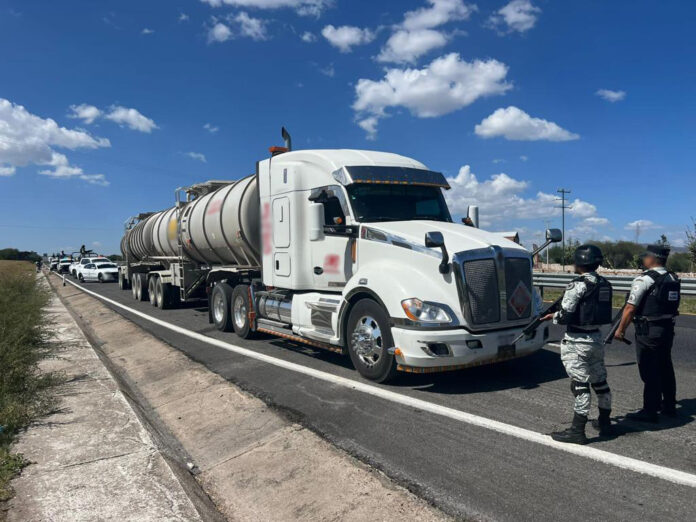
(467, 470)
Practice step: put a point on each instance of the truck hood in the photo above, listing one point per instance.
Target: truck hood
(457, 237)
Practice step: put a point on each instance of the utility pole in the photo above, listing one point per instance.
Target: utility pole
(547, 248)
(563, 208)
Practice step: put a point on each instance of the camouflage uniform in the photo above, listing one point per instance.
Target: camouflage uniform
(582, 353)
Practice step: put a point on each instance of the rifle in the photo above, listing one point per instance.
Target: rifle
(531, 327)
(616, 321)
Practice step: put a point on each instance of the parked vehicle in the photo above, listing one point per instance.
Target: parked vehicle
(77, 267)
(98, 270)
(348, 250)
(64, 265)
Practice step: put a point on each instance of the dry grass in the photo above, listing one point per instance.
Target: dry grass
(24, 393)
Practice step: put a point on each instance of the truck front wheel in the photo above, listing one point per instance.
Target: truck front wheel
(220, 306)
(369, 339)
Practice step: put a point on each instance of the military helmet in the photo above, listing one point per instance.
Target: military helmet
(587, 255)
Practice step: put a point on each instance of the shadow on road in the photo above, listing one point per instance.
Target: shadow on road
(686, 411)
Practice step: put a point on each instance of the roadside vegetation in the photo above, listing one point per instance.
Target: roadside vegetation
(24, 390)
(687, 305)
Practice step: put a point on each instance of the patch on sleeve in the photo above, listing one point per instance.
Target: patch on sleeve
(570, 286)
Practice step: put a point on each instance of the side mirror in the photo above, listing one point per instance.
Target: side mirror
(435, 240)
(553, 235)
(315, 221)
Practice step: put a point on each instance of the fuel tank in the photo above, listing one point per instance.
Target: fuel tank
(221, 227)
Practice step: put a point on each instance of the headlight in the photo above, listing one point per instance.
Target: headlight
(417, 310)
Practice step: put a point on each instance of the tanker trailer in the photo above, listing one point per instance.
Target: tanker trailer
(170, 254)
(351, 251)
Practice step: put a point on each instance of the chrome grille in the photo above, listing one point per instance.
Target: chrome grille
(481, 278)
(517, 270)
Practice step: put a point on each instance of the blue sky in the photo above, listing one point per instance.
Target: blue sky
(107, 107)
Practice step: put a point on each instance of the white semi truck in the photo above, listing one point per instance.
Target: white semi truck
(348, 250)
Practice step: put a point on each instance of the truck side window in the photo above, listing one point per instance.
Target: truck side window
(333, 213)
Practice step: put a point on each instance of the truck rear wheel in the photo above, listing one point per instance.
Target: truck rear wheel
(241, 306)
(140, 287)
(220, 306)
(151, 290)
(369, 338)
(165, 295)
(134, 286)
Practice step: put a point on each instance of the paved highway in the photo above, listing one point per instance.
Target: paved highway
(488, 465)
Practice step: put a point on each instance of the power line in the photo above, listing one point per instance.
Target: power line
(563, 208)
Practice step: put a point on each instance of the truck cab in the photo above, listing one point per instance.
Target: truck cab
(361, 253)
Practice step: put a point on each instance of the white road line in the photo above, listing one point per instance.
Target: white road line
(646, 468)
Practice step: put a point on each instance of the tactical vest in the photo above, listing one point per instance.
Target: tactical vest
(662, 298)
(595, 306)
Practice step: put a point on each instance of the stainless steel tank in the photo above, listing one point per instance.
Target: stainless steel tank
(218, 228)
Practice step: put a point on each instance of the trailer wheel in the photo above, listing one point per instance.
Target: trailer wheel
(220, 306)
(134, 286)
(241, 306)
(165, 294)
(368, 337)
(152, 294)
(140, 287)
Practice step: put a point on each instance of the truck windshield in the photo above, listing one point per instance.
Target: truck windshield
(373, 202)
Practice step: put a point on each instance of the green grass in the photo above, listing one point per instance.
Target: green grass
(24, 390)
(687, 305)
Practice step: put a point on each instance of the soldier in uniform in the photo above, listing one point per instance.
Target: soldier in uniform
(586, 305)
(653, 305)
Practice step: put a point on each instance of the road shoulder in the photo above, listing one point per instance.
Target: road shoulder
(254, 463)
(92, 458)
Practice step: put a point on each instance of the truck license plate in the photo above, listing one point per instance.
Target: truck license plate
(506, 350)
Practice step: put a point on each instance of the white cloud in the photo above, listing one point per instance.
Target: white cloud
(329, 70)
(183, 17)
(212, 129)
(131, 118)
(347, 36)
(407, 46)
(219, 33)
(86, 113)
(515, 124)
(27, 139)
(240, 25)
(147, 30)
(642, 224)
(524, 158)
(445, 85)
(303, 7)
(596, 221)
(501, 199)
(250, 27)
(611, 96)
(439, 13)
(518, 15)
(197, 156)
(369, 125)
(416, 35)
(308, 37)
(63, 170)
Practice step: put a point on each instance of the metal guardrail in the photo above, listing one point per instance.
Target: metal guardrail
(620, 283)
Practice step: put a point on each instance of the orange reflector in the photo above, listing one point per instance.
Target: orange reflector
(277, 150)
(398, 351)
(354, 251)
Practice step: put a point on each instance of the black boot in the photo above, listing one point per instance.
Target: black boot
(603, 423)
(575, 434)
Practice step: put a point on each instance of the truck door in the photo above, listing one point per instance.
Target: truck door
(281, 237)
(331, 256)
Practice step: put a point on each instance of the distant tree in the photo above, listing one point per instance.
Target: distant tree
(679, 262)
(13, 254)
(620, 254)
(556, 252)
(663, 241)
(691, 242)
(115, 257)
